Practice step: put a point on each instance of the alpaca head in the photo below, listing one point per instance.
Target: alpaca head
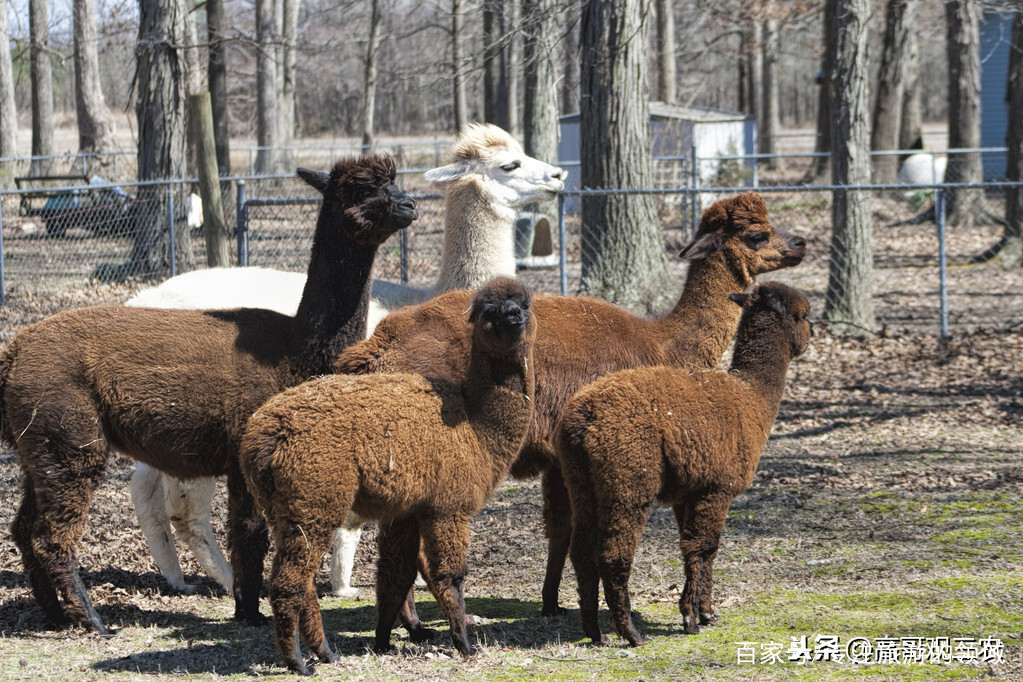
(778, 307)
(492, 159)
(360, 193)
(502, 317)
(739, 228)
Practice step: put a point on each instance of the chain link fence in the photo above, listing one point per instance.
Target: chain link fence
(59, 237)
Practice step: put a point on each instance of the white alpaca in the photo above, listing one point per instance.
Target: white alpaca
(489, 179)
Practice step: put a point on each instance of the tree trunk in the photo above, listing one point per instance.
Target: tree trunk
(41, 72)
(849, 301)
(623, 257)
(770, 123)
(900, 18)
(161, 110)
(822, 145)
(964, 206)
(95, 124)
(369, 76)
(1012, 250)
(267, 124)
(495, 99)
(911, 130)
(8, 105)
(288, 71)
(570, 60)
(218, 86)
(461, 107)
(540, 119)
(513, 67)
(667, 73)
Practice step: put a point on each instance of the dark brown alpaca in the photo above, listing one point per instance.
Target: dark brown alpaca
(689, 438)
(419, 454)
(163, 385)
(585, 338)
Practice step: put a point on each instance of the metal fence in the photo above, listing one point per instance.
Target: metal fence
(927, 275)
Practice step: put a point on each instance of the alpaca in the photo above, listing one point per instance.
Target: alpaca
(163, 385)
(685, 437)
(585, 338)
(489, 178)
(419, 454)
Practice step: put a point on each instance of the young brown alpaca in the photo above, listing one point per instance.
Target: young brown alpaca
(585, 338)
(419, 454)
(684, 437)
(162, 385)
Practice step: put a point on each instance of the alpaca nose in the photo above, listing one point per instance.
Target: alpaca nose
(797, 243)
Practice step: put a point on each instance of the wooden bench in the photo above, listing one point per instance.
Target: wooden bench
(66, 201)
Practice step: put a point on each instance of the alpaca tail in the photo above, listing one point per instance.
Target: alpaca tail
(263, 436)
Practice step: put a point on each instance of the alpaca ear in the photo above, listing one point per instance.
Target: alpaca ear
(448, 173)
(315, 179)
(740, 299)
(702, 246)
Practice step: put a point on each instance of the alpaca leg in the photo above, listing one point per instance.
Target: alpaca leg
(584, 560)
(61, 499)
(149, 496)
(42, 587)
(190, 503)
(700, 523)
(446, 544)
(619, 539)
(249, 542)
(557, 515)
(342, 557)
(398, 544)
(294, 609)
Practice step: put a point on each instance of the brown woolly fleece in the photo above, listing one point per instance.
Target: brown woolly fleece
(688, 438)
(419, 454)
(584, 338)
(163, 386)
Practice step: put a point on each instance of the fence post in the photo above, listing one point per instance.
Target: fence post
(173, 246)
(694, 181)
(3, 287)
(939, 218)
(562, 249)
(243, 225)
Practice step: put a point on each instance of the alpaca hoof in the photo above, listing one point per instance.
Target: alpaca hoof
(422, 634)
(600, 640)
(255, 620)
(692, 625)
(384, 647)
(553, 611)
(299, 668)
(636, 639)
(346, 593)
(184, 588)
(708, 619)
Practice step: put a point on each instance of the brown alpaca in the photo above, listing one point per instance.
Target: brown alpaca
(163, 385)
(689, 438)
(586, 338)
(419, 454)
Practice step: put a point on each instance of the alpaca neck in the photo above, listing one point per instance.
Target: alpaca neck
(761, 359)
(478, 238)
(499, 398)
(335, 301)
(701, 325)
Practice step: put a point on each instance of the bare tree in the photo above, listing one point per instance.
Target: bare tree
(911, 129)
(900, 19)
(95, 124)
(458, 85)
(964, 205)
(623, 257)
(822, 145)
(217, 75)
(369, 93)
(540, 117)
(513, 66)
(161, 111)
(570, 62)
(8, 105)
(267, 123)
(495, 94)
(770, 109)
(667, 73)
(1012, 247)
(41, 72)
(849, 301)
(288, 69)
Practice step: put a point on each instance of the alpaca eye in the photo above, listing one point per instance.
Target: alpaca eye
(758, 239)
(509, 167)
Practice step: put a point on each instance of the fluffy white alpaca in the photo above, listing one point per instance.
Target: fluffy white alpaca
(490, 177)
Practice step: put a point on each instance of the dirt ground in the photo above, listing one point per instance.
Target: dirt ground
(887, 507)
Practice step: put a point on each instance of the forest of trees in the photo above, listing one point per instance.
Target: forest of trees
(863, 73)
